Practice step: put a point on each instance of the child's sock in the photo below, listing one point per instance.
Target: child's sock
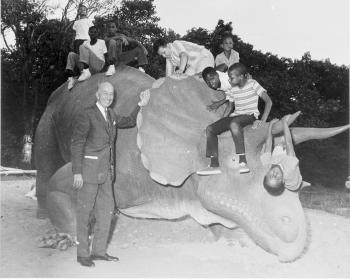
(242, 158)
(214, 162)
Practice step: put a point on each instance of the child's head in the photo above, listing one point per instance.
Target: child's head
(211, 78)
(159, 47)
(237, 74)
(111, 28)
(227, 42)
(273, 180)
(82, 10)
(93, 32)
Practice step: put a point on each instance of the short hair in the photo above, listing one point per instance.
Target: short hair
(161, 42)
(111, 22)
(82, 5)
(242, 69)
(103, 83)
(208, 71)
(274, 191)
(226, 36)
(92, 27)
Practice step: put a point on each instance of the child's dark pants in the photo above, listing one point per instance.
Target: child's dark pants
(233, 123)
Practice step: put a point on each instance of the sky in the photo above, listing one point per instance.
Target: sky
(287, 28)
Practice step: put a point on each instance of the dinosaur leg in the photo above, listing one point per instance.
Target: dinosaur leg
(61, 200)
(47, 160)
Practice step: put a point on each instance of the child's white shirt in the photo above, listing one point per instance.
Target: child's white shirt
(81, 27)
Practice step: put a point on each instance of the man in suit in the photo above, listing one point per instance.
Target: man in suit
(92, 154)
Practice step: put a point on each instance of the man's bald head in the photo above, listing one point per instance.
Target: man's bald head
(105, 94)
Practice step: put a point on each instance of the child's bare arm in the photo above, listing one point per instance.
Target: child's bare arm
(228, 109)
(216, 105)
(268, 143)
(268, 104)
(169, 70)
(288, 137)
(183, 62)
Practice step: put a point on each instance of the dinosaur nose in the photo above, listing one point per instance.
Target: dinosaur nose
(285, 219)
(286, 229)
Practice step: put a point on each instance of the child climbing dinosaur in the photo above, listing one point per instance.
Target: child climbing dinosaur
(244, 94)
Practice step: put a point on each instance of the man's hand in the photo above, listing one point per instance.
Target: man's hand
(77, 181)
(257, 123)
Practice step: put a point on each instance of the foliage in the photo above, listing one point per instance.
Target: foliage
(34, 66)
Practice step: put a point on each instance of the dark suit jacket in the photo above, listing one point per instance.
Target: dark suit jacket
(93, 142)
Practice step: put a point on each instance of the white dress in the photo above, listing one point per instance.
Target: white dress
(198, 56)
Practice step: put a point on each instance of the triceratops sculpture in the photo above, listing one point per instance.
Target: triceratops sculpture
(157, 161)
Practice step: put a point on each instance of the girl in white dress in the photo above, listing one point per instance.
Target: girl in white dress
(183, 57)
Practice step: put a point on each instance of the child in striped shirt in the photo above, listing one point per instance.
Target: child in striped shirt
(244, 94)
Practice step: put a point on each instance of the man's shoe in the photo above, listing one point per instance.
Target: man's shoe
(71, 82)
(209, 171)
(84, 75)
(86, 261)
(243, 168)
(105, 257)
(110, 71)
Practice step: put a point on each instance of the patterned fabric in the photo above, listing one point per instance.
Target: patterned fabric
(222, 59)
(245, 98)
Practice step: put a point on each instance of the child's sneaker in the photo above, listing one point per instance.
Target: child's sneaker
(209, 171)
(84, 75)
(243, 168)
(110, 71)
(71, 83)
(142, 69)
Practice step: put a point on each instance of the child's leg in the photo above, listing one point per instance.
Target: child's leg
(236, 127)
(212, 132)
(114, 50)
(90, 60)
(72, 63)
(129, 56)
(77, 44)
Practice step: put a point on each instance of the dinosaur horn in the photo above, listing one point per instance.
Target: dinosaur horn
(303, 134)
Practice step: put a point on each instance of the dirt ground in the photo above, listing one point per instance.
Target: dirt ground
(149, 248)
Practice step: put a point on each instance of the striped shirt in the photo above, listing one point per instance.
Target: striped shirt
(246, 98)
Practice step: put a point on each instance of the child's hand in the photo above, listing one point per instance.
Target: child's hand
(178, 72)
(213, 106)
(125, 41)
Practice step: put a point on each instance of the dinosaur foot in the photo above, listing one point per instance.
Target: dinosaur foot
(61, 241)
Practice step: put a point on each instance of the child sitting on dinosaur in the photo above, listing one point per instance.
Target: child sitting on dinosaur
(244, 94)
(283, 165)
